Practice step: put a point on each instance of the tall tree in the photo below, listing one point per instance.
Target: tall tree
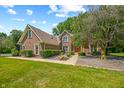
(107, 27)
(62, 26)
(2, 38)
(101, 26)
(83, 26)
(3, 35)
(15, 35)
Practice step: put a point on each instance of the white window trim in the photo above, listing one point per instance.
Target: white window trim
(64, 39)
(35, 49)
(31, 34)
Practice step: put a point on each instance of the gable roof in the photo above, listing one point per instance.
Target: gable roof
(64, 33)
(43, 36)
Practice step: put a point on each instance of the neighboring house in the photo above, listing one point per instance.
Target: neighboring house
(36, 40)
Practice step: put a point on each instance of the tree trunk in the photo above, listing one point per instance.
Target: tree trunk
(90, 48)
(103, 54)
(81, 48)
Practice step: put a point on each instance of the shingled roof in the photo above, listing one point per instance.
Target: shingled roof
(44, 37)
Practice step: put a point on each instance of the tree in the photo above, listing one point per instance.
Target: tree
(83, 26)
(9, 42)
(2, 38)
(101, 26)
(62, 26)
(15, 35)
(3, 35)
(107, 27)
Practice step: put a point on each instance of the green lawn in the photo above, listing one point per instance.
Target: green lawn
(117, 54)
(20, 73)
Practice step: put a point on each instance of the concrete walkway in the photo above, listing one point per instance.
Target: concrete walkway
(70, 61)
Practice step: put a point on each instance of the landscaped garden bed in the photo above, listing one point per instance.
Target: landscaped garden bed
(56, 54)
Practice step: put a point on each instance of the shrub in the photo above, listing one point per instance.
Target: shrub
(72, 52)
(5, 50)
(49, 53)
(68, 54)
(96, 53)
(22, 52)
(26, 53)
(15, 52)
(81, 54)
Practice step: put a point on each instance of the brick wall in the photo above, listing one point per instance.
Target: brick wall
(30, 42)
(69, 43)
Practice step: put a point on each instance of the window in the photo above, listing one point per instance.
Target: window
(36, 47)
(29, 34)
(65, 39)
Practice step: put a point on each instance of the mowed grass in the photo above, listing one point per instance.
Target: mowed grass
(21, 73)
(117, 54)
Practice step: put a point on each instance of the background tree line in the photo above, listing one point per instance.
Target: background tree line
(100, 26)
(7, 42)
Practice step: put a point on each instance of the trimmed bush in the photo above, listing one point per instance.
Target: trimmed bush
(26, 53)
(22, 52)
(49, 53)
(81, 54)
(15, 52)
(68, 54)
(72, 52)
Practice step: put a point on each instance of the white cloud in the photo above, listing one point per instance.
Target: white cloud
(53, 8)
(1, 27)
(54, 25)
(11, 11)
(34, 21)
(29, 12)
(8, 6)
(18, 19)
(72, 8)
(44, 22)
(61, 15)
(64, 10)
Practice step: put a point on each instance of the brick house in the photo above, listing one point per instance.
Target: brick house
(36, 40)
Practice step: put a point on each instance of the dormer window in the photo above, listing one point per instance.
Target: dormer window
(29, 34)
(65, 39)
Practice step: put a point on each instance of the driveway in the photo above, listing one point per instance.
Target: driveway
(113, 64)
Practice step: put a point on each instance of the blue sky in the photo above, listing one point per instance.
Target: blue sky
(44, 17)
